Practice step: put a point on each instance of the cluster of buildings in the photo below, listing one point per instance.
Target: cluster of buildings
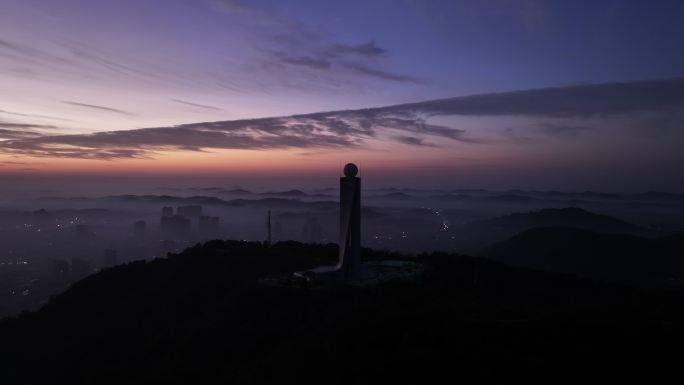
(180, 223)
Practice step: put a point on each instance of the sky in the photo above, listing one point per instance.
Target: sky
(538, 94)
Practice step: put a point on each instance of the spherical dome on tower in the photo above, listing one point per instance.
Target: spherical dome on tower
(350, 170)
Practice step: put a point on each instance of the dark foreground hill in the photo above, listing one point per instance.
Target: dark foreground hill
(202, 317)
(619, 258)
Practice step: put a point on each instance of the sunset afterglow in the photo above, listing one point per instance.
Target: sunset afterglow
(128, 88)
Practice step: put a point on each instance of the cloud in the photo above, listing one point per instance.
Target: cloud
(555, 129)
(17, 134)
(369, 49)
(305, 61)
(90, 54)
(336, 60)
(322, 130)
(34, 116)
(413, 141)
(406, 123)
(197, 105)
(96, 107)
(582, 100)
(255, 134)
(512, 135)
(261, 50)
(283, 40)
(383, 75)
(25, 126)
(26, 53)
(417, 125)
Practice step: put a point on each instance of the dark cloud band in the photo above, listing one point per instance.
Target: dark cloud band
(405, 123)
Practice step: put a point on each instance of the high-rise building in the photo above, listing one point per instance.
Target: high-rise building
(175, 226)
(191, 211)
(140, 229)
(167, 211)
(208, 225)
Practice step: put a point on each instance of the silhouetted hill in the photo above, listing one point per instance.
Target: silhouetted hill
(238, 191)
(593, 195)
(617, 258)
(455, 197)
(675, 240)
(271, 202)
(289, 193)
(506, 226)
(213, 190)
(512, 199)
(202, 317)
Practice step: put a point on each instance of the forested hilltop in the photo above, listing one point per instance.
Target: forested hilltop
(205, 316)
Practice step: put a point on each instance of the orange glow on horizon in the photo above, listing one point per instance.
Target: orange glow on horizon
(386, 159)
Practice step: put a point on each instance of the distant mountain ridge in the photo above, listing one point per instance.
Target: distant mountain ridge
(295, 193)
(444, 196)
(565, 217)
(200, 200)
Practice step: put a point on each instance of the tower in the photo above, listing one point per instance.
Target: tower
(349, 265)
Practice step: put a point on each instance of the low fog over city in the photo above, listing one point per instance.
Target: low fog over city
(53, 241)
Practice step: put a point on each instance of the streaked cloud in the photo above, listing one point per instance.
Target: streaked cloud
(563, 129)
(282, 40)
(198, 105)
(413, 141)
(305, 61)
(408, 124)
(369, 49)
(326, 130)
(12, 113)
(26, 126)
(384, 75)
(17, 134)
(583, 100)
(96, 107)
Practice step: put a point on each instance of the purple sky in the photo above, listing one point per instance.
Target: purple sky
(125, 88)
